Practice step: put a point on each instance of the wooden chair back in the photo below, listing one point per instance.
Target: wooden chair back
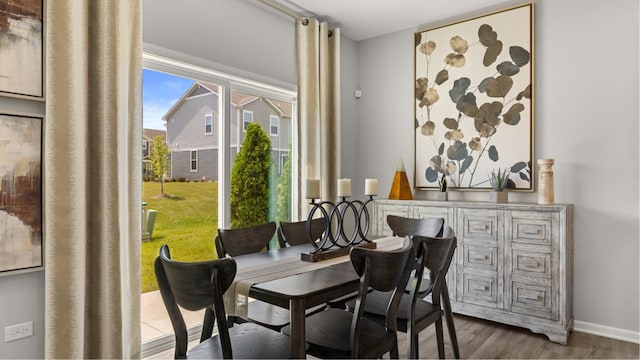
(404, 226)
(246, 240)
(435, 254)
(383, 271)
(195, 286)
(297, 233)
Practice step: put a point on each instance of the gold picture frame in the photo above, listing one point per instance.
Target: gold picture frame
(474, 95)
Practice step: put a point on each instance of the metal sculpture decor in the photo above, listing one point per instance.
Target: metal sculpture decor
(335, 241)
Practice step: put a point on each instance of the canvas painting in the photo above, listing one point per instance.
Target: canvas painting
(21, 47)
(474, 101)
(20, 193)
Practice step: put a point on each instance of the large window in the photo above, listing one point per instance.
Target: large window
(197, 188)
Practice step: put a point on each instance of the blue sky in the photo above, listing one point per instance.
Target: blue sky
(159, 92)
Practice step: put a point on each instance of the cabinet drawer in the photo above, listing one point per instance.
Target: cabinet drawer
(480, 289)
(480, 257)
(479, 227)
(528, 263)
(528, 228)
(530, 299)
(384, 210)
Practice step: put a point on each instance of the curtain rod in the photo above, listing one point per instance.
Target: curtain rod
(282, 9)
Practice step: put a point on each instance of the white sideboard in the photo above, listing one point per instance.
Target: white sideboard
(513, 264)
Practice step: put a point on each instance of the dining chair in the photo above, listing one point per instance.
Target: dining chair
(249, 240)
(195, 286)
(429, 227)
(415, 313)
(296, 233)
(336, 333)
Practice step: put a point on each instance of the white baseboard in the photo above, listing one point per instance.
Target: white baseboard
(606, 331)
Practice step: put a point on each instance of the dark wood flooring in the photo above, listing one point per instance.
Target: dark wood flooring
(481, 339)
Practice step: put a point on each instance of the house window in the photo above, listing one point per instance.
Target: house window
(208, 124)
(247, 118)
(194, 160)
(273, 125)
(145, 144)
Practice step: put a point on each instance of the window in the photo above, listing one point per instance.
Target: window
(194, 160)
(145, 144)
(208, 124)
(283, 161)
(273, 125)
(247, 118)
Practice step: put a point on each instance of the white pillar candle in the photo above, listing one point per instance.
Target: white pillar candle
(344, 187)
(370, 187)
(313, 188)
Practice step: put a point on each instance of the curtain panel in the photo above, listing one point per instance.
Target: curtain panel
(318, 60)
(92, 178)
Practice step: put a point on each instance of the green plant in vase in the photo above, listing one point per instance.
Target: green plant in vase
(442, 187)
(499, 180)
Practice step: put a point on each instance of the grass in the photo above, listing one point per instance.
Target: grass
(187, 221)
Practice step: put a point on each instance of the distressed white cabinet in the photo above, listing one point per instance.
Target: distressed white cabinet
(513, 264)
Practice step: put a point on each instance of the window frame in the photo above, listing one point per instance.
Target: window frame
(192, 160)
(277, 125)
(208, 115)
(246, 123)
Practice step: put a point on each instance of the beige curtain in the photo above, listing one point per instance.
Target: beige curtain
(92, 177)
(318, 56)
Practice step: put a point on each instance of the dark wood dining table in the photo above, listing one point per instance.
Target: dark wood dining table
(302, 285)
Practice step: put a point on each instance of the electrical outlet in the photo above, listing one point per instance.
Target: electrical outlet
(18, 331)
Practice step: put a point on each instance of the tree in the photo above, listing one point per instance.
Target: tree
(284, 191)
(159, 160)
(250, 179)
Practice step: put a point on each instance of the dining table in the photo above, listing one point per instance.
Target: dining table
(280, 277)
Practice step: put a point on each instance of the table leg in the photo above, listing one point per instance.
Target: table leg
(298, 335)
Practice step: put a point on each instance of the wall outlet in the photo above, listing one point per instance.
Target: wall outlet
(18, 331)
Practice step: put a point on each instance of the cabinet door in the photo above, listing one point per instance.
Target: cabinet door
(479, 271)
(382, 210)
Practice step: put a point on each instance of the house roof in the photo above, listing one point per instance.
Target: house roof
(151, 133)
(283, 108)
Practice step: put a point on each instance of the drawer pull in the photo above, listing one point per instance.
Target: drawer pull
(480, 288)
(480, 257)
(530, 297)
(529, 232)
(531, 263)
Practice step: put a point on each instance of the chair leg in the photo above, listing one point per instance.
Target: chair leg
(440, 338)
(393, 353)
(446, 305)
(415, 348)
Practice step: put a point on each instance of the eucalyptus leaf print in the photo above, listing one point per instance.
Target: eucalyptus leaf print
(484, 65)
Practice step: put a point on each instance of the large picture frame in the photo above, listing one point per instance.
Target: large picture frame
(21, 48)
(474, 101)
(20, 193)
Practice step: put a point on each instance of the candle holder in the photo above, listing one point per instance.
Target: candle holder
(334, 241)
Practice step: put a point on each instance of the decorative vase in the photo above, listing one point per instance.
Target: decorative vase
(545, 181)
(499, 197)
(442, 195)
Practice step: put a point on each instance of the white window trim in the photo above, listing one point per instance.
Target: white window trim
(191, 160)
(145, 144)
(271, 126)
(246, 123)
(205, 124)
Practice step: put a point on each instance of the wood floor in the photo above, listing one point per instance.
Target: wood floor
(480, 339)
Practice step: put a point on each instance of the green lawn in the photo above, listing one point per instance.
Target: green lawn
(187, 221)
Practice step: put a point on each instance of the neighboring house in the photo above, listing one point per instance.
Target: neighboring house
(192, 129)
(147, 141)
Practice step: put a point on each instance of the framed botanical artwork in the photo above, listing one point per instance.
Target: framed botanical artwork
(474, 101)
(21, 48)
(20, 193)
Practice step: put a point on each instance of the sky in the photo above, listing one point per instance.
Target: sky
(159, 92)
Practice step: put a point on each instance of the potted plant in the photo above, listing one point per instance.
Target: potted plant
(498, 180)
(442, 187)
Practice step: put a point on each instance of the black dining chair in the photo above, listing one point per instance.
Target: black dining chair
(336, 333)
(415, 313)
(200, 285)
(249, 240)
(429, 227)
(296, 233)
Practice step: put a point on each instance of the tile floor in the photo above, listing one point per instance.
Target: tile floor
(155, 320)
